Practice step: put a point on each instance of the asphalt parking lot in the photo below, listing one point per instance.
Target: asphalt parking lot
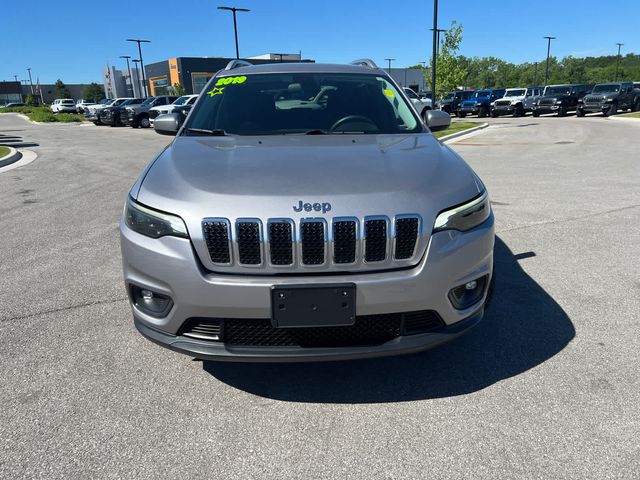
(548, 386)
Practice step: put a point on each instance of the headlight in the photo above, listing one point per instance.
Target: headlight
(464, 217)
(153, 223)
(558, 102)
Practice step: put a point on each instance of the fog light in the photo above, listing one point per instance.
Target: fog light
(463, 296)
(150, 302)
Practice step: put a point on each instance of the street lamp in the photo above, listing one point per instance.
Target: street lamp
(127, 57)
(235, 24)
(438, 36)
(144, 78)
(618, 60)
(390, 60)
(30, 80)
(16, 77)
(546, 72)
(135, 62)
(435, 47)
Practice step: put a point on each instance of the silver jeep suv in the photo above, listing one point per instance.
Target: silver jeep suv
(305, 212)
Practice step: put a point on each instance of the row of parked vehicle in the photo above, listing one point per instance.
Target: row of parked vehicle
(605, 98)
(136, 112)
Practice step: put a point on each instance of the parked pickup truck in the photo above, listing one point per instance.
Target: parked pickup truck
(609, 98)
(138, 115)
(516, 102)
(422, 105)
(92, 112)
(560, 99)
(480, 103)
(451, 103)
(164, 109)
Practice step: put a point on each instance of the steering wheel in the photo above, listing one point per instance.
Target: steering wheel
(352, 119)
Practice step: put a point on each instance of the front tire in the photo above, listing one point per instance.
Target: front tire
(562, 111)
(612, 110)
(519, 111)
(483, 112)
(494, 114)
(580, 113)
(462, 114)
(535, 114)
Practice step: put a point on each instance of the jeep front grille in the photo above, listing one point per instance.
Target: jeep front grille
(547, 101)
(503, 103)
(339, 243)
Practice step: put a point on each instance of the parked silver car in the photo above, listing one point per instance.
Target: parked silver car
(305, 212)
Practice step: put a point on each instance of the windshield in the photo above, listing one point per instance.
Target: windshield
(181, 100)
(449, 96)
(131, 101)
(560, 90)
(606, 88)
(273, 104)
(481, 94)
(106, 101)
(148, 101)
(515, 93)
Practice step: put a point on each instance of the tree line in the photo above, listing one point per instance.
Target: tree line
(454, 70)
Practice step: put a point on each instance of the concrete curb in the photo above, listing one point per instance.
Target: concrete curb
(26, 157)
(13, 156)
(24, 117)
(453, 136)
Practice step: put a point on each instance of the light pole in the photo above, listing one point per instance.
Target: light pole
(389, 68)
(435, 47)
(546, 72)
(16, 77)
(127, 57)
(618, 60)
(235, 24)
(144, 78)
(30, 80)
(438, 37)
(135, 62)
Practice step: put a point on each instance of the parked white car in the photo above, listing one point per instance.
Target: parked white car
(422, 105)
(63, 105)
(83, 103)
(162, 109)
(516, 101)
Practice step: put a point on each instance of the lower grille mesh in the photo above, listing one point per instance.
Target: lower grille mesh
(368, 330)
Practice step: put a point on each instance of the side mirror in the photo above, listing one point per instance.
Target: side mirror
(168, 124)
(438, 120)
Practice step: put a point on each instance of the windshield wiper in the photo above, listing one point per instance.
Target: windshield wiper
(216, 132)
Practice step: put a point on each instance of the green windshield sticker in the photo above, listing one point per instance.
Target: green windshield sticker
(230, 80)
(388, 93)
(215, 91)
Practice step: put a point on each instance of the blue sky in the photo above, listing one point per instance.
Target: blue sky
(73, 39)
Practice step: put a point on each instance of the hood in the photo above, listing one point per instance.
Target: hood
(265, 177)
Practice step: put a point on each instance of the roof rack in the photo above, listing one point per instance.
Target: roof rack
(365, 62)
(237, 64)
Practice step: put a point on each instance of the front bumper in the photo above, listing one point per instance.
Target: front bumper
(169, 266)
(542, 109)
(469, 110)
(207, 350)
(594, 107)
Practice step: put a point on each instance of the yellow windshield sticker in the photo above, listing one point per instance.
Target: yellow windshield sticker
(388, 93)
(230, 80)
(215, 91)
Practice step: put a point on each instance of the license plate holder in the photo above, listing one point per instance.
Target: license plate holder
(299, 306)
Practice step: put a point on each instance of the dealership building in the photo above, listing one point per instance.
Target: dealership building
(193, 73)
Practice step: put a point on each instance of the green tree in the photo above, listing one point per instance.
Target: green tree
(31, 101)
(177, 90)
(61, 89)
(450, 71)
(93, 90)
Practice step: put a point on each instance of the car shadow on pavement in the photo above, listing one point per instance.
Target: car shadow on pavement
(522, 327)
(15, 141)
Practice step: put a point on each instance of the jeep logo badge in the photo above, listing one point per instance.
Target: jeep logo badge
(316, 207)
